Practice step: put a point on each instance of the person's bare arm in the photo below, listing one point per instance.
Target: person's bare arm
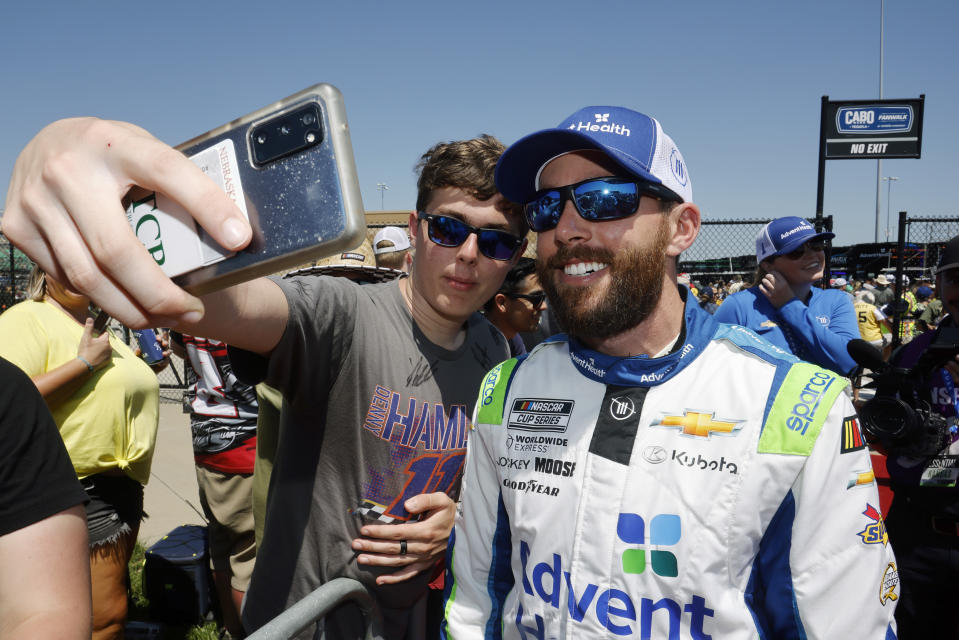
(60, 383)
(45, 581)
(64, 210)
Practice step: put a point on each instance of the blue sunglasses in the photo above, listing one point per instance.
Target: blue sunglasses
(450, 232)
(596, 200)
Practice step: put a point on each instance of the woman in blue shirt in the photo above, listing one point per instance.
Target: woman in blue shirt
(783, 307)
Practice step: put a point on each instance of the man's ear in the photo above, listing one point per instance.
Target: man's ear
(500, 302)
(414, 225)
(685, 222)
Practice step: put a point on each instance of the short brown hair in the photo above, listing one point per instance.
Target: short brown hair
(391, 259)
(466, 165)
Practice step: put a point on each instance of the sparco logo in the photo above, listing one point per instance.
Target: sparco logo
(530, 486)
(589, 365)
(602, 124)
(563, 468)
(704, 464)
(804, 412)
(489, 384)
(621, 408)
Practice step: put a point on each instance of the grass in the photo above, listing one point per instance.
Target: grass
(140, 606)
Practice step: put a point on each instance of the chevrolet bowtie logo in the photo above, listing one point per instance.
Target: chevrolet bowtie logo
(701, 425)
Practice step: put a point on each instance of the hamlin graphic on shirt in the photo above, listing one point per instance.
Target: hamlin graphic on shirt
(427, 453)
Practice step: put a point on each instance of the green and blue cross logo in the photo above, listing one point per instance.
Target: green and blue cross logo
(664, 530)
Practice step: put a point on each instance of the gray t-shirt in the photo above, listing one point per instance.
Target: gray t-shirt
(375, 413)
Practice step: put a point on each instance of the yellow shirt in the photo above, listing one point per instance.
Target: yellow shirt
(111, 421)
(869, 327)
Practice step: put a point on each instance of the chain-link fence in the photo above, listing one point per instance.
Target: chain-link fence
(14, 273)
(725, 250)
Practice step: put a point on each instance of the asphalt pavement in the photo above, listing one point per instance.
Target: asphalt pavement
(171, 497)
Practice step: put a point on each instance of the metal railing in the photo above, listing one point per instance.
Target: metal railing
(316, 605)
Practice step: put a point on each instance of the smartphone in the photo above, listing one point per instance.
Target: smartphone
(289, 166)
(100, 322)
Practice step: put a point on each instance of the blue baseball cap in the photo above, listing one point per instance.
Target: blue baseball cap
(633, 140)
(784, 235)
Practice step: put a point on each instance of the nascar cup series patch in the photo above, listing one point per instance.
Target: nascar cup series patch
(540, 414)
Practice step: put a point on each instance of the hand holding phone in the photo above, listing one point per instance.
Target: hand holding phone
(63, 194)
(74, 223)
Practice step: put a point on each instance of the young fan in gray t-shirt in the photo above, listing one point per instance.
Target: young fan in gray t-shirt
(465, 237)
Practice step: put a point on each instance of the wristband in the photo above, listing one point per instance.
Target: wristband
(86, 362)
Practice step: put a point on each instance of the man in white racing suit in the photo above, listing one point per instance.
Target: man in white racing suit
(654, 474)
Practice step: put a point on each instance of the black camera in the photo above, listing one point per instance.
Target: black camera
(286, 134)
(899, 415)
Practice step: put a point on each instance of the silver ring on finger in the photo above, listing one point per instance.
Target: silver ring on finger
(402, 547)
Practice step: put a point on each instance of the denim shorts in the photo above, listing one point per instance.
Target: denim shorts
(115, 507)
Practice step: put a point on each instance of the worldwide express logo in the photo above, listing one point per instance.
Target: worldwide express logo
(665, 530)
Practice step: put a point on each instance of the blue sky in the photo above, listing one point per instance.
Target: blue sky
(737, 85)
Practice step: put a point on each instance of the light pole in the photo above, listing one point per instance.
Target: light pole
(383, 188)
(888, 180)
(882, 13)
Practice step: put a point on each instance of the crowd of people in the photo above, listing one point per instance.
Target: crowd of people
(610, 447)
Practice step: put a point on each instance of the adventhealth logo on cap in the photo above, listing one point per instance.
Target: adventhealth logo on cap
(602, 124)
(665, 529)
(802, 227)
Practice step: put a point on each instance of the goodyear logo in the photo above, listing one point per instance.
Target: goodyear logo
(874, 119)
(804, 412)
(539, 414)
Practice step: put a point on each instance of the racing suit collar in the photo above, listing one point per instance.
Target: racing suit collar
(643, 371)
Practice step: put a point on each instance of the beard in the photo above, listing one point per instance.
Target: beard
(633, 291)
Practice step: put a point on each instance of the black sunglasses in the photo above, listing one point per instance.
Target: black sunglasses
(535, 299)
(450, 232)
(596, 199)
(812, 245)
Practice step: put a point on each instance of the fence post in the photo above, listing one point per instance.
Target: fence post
(897, 285)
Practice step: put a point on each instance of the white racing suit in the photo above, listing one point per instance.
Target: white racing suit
(722, 491)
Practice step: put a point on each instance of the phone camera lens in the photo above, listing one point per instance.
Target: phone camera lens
(308, 119)
(261, 138)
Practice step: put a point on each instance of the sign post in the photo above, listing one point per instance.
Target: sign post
(866, 129)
